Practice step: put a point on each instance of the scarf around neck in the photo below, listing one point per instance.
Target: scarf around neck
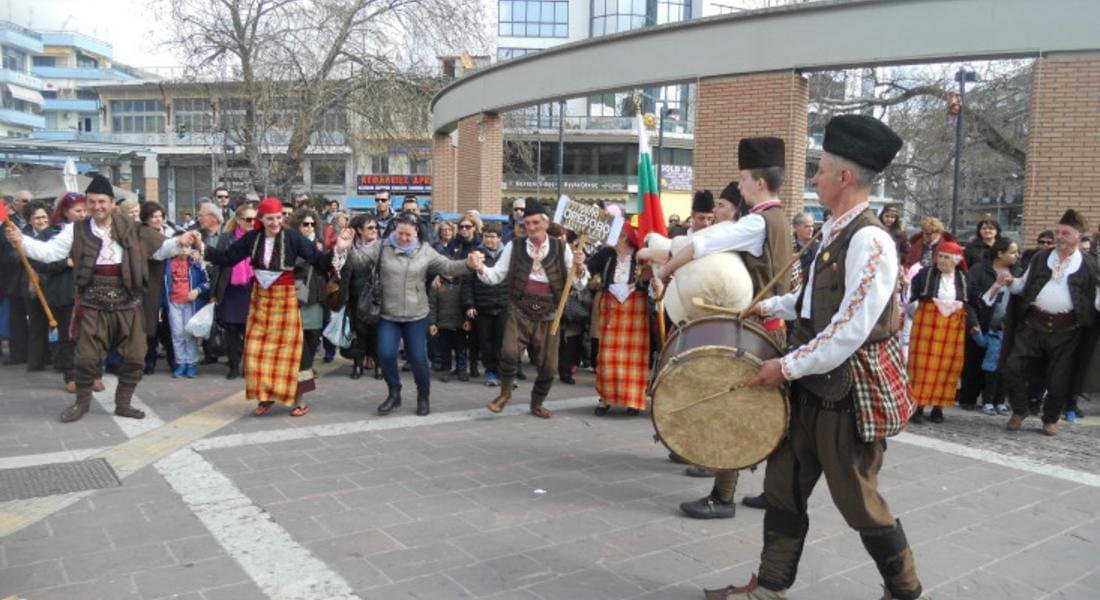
(407, 249)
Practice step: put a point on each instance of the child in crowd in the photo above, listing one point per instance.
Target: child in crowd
(185, 292)
(447, 320)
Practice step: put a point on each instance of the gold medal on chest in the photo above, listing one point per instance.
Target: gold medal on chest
(825, 256)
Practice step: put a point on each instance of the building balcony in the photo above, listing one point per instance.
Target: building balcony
(81, 73)
(187, 142)
(18, 39)
(70, 39)
(517, 122)
(15, 117)
(21, 79)
(79, 106)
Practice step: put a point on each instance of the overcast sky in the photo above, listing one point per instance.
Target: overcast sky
(128, 25)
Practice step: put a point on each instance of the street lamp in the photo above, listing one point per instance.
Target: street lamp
(665, 112)
(962, 76)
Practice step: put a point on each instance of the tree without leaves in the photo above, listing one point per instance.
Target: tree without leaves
(914, 100)
(304, 62)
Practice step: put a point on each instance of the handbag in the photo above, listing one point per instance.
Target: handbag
(301, 288)
(368, 310)
(334, 298)
(216, 342)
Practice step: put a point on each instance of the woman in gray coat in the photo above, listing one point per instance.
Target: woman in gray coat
(405, 262)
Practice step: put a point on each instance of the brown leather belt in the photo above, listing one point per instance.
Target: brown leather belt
(1051, 323)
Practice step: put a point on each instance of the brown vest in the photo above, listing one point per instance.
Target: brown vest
(777, 253)
(86, 247)
(519, 268)
(828, 292)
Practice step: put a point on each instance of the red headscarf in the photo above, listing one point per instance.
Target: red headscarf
(632, 235)
(949, 247)
(67, 201)
(268, 206)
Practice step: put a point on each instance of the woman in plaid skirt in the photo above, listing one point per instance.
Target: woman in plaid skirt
(940, 323)
(273, 336)
(624, 330)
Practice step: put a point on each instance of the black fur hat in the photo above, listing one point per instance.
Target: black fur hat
(863, 140)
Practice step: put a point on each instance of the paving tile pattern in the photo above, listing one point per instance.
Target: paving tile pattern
(521, 508)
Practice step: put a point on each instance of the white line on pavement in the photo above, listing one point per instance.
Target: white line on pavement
(282, 568)
(131, 427)
(235, 440)
(47, 458)
(1005, 460)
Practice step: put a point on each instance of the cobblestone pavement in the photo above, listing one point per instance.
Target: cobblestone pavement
(462, 504)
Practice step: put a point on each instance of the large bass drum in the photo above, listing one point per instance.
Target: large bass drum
(701, 408)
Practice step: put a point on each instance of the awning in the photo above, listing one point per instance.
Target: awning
(22, 93)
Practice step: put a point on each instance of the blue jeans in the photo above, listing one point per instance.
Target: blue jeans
(415, 335)
(185, 346)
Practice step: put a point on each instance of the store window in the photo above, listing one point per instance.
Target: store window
(506, 53)
(380, 163)
(534, 18)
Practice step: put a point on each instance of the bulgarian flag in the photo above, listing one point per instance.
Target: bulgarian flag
(650, 216)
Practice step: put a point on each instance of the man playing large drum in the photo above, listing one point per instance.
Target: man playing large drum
(763, 238)
(849, 390)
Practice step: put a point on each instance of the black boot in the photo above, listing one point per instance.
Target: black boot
(392, 401)
(356, 368)
(894, 559)
(422, 404)
(378, 372)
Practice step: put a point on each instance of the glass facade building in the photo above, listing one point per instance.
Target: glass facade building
(533, 18)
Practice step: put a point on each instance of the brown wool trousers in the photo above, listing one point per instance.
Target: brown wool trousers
(825, 442)
(100, 332)
(523, 332)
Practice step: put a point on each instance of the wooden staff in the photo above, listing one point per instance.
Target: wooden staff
(579, 244)
(660, 309)
(33, 275)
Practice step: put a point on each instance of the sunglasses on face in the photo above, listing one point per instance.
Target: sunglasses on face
(371, 228)
(222, 196)
(308, 223)
(465, 226)
(1046, 242)
(248, 219)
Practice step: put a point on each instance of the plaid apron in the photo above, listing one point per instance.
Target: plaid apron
(880, 390)
(272, 345)
(936, 355)
(623, 371)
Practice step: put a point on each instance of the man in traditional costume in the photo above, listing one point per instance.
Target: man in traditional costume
(848, 391)
(1059, 298)
(109, 257)
(535, 270)
(763, 237)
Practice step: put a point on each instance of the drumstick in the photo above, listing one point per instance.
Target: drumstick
(733, 388)
(660, 309)
(700, 303)
(767, 288)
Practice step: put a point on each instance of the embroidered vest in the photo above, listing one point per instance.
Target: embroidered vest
(85, 250)
(778, 245)
(519, 269)
(828, 287)
(1082, 284)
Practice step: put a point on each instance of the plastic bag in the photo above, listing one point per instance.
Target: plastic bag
(339, 331)
(200, 323)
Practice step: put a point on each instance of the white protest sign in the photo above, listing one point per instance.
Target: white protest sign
(596, 224)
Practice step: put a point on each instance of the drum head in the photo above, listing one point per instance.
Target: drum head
(698, 418)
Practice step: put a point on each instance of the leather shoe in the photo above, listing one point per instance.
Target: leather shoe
(497, 404)
(759, 502)
(234, 372)
(541, 411)
(752, 591)
(1015, 421)
(1050, 429)
(708, 508)
(697, 471)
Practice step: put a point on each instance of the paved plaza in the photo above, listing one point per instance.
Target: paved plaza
(216, 504)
